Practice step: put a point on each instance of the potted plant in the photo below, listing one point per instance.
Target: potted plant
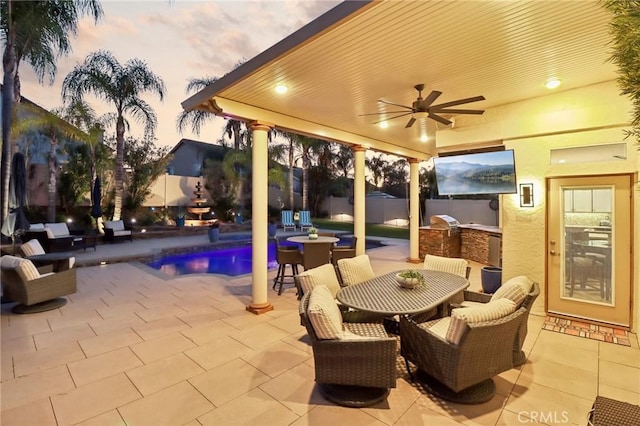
(409, 278)
(180, 217)
(272, 227)
(313, 233)
(214, 231)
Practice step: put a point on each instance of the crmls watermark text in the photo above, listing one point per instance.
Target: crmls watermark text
(546, 417)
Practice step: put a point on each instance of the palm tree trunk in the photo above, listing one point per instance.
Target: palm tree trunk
(9, 66)
(291, 164)
(117, 210)
(305, 181)
(51, 208)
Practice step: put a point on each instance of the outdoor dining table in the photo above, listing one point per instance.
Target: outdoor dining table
(384, 295)
(304, 239)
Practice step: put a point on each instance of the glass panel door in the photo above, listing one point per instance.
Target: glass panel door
(587, 245)
(589, 233)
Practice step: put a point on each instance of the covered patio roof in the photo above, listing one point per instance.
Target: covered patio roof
(338, 66)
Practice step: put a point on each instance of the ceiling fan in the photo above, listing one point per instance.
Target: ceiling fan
(423, 108)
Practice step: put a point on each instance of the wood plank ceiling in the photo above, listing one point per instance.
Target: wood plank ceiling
(503, 50)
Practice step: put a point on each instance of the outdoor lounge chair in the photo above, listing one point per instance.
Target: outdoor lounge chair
(34, 290)
(287, 220)
(457, 356)
(60, 238)
(355, 363)
(305, 220)
(114, 230)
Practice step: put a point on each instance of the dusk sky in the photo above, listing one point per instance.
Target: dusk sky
(178, 40)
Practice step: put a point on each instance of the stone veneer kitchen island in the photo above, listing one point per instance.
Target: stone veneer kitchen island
(479, 243)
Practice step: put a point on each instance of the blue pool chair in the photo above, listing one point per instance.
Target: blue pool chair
(287, 220)
(305, 220)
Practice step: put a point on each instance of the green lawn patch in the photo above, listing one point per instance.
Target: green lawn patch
(371, 229)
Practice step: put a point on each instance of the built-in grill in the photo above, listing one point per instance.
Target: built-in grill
(443, 221)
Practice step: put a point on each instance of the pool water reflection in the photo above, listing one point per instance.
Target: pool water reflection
(229, 261)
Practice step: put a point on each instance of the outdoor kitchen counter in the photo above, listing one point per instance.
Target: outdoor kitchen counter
(482, 228)
(481, 243)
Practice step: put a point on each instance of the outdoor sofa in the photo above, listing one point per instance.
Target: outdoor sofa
(114, 230)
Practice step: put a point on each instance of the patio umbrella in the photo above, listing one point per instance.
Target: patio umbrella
(96, 196)
(16, 221)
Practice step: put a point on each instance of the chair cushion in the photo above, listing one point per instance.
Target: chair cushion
(321, 275)
(10, 262)
(460, 317)
(515, 289)
(32, 248)
(27, 270)
(355, 270)
(58, 229)
(324, 314)
(438, 326)
(121, 233)
(451, 265)
(36, 227)
(116, 225)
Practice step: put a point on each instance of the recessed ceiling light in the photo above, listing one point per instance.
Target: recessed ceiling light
(281, 88)
(552, 83)
(383, 124)
(424, 138)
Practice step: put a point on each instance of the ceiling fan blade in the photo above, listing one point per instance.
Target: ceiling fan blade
(410, 123)
(458, 102)
(439, 119)
(431, 98)
(460, 111)
(382, 112)
(391, 118)
(391, 103)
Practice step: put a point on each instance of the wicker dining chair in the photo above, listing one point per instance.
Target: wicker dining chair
(351, 370)
(461, 372)
(344, 252)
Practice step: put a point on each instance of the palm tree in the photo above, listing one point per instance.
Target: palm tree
(121, 85)
(54, 128)
(376, 166)
(37, 32)
(197, 118)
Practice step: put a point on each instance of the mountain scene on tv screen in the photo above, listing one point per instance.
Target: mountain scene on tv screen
(475, 178)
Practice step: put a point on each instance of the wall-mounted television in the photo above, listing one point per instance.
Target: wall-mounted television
(478, 173)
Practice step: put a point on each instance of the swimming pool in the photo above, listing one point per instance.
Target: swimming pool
(232, 261)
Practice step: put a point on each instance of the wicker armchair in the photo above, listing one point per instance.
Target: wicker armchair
(519, 357)
(354, 372)
(461, 372)
(38, 291)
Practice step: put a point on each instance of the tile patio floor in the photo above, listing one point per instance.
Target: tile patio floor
(132, 348)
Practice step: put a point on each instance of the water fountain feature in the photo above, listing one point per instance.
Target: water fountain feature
(198, 209)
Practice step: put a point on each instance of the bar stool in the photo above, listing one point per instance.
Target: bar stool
(286, 255)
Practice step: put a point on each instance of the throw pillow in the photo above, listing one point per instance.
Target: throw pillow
(322, 275)
(32, 248)
(323, 313)
(27, 271)
(515, 289)
(488, 312)
(355, 270)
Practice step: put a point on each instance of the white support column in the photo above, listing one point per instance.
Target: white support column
(259, 220)
(414, 211)
(359, 199)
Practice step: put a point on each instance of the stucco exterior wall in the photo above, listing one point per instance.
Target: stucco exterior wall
(590, 116)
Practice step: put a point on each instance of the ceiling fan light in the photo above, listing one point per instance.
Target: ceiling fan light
(420, 114)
